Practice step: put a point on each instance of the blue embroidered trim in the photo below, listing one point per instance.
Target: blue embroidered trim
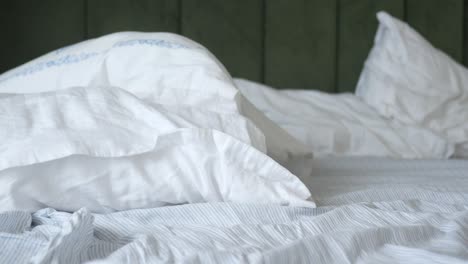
(76, 58)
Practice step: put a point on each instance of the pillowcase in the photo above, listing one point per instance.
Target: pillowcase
(342, 125)
(160, 68)
(105, 149)
(156, 67)
(406, 79)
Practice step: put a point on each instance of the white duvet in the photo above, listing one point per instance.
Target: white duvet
(342, 124)
(136, 120)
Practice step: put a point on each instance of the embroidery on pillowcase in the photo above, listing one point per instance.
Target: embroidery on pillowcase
(77, 58)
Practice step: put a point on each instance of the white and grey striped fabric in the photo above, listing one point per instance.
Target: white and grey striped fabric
(372, 211)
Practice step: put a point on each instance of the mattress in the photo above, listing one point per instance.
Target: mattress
(370, 210)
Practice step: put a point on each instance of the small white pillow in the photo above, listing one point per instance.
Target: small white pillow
(342, 125)
(105, 149)
(405, 78)
(160, 68)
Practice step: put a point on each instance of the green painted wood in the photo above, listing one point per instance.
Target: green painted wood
(316, 44)
(108, 16)
(32, 28)
(440, 22)
(465, 35)
(300, 37)
(356, 31)
(231, 29)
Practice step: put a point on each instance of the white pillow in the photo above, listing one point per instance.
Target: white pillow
(161, 68)
(105, 149)
(342, 125)
(405, 78)
(157, 67)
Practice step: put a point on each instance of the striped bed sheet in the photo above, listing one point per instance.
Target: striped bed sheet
(370, 210)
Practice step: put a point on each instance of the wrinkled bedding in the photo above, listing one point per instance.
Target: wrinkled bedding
(406, 78)
(136, 120)
(177, 167)
(418, 215)
(342, 124)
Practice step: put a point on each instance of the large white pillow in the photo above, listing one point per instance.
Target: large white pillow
(342, 125)
(406, 79)
(157, 67)
(105, 149)
(161, 68)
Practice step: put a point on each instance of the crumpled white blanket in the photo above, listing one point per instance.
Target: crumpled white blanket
(385, 232)
(107, 150)
(370, 211)
(342, 124)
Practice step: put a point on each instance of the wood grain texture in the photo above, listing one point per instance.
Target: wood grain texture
(465, 35)
(309, 44)
(300, 37)
(231, 29)
(356, 31)
(108, 16)
(440, 22)
(32, 28)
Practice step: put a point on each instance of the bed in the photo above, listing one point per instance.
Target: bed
(141, 148)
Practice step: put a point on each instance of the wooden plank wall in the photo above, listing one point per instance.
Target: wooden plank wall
(31, 28)
(310, 44)
(300, 43)
(231, 29)
(356, 30)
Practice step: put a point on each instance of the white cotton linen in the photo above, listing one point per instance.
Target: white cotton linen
(105, 149)
(156, 67)
(160, 68)
(369, 217)
(405, 78)
(340, 181)
(342, 125)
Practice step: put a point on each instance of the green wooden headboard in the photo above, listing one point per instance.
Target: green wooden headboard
(312, 44)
